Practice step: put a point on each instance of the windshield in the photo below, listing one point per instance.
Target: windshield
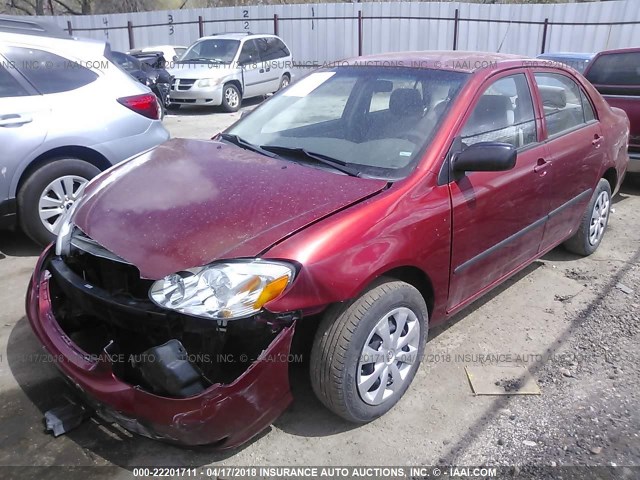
(377, 120)
(211, 50)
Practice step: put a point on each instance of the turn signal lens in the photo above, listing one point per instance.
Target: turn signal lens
(271, 291)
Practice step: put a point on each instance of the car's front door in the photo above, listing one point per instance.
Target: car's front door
(574, 143)
(498, 217)
(24, 119)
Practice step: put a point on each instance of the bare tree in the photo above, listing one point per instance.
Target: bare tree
(87, 7)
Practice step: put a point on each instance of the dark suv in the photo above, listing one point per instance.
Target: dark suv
(616, 75)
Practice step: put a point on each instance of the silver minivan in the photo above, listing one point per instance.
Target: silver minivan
(223, 69)
(66, 114)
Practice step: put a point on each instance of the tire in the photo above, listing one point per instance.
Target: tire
(173, 106)
(284, 81)
(340, 366)
(77, 171)
(231, 98)
(594, 222)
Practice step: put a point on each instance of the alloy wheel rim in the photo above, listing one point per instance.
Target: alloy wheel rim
(232, 97)
(284, 83)
(599, 217)
(57, 198)
(388, 355)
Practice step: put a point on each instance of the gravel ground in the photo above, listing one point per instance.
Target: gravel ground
(588, 413)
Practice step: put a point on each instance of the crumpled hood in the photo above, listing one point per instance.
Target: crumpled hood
(187, 203)
(201, 70)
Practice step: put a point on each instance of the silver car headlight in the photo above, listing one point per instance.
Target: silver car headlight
(223, 290)
(63, 241)
(209, 82)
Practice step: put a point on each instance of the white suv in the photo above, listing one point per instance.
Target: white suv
(223, 69)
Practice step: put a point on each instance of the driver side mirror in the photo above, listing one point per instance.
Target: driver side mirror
(485, 157)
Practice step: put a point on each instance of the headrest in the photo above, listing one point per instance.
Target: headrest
(494, 111)
(406, 101)
(553, 97)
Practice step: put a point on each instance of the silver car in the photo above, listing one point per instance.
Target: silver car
(66, 114)
(223, 69)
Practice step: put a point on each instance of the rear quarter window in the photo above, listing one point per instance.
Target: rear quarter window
(47, 72)
(616, 73)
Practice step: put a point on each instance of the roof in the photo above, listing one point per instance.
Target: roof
(454, 60)
(26, 26)
(567, 55)
(620, 50)
(236, 36)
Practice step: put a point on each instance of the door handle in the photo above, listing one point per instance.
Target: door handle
(14, 120)
(597, 140)
(262, 70)
(542, 164)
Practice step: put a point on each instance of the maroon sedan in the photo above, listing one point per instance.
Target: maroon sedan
(370, 202)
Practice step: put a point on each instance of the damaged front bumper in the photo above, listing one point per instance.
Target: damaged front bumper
(223, 413)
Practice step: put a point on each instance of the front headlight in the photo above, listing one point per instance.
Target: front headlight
(223, 290)
(208, 82)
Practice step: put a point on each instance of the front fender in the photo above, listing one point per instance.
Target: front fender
(343, 254)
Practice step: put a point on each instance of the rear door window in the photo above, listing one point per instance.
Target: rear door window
(9, 86)
(47, 72)
(274, 48)
(621, 69)
(249, 53)
(562, 102)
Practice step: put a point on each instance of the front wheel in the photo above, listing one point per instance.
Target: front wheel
(231, 98)
(594, 222)
(48, 193)
(365, 356)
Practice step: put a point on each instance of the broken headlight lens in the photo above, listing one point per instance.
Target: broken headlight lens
(223, 290)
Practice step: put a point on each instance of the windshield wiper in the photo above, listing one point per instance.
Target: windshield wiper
(343, 167)
(200, 59)
(242, 143)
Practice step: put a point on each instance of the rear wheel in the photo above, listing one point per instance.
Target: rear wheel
(365, 356)
(231, 98)
(284, 81)
(48, 193)
(594, 222)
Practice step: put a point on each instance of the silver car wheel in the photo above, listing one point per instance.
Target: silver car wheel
(388, 355)
(284, 83)
(599, 217)
(57, 198)
(232, 97)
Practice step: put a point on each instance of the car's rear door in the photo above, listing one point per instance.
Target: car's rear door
(575, 154)
(24, 121)
(269, 66)
(252, 69)
(498, 217)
